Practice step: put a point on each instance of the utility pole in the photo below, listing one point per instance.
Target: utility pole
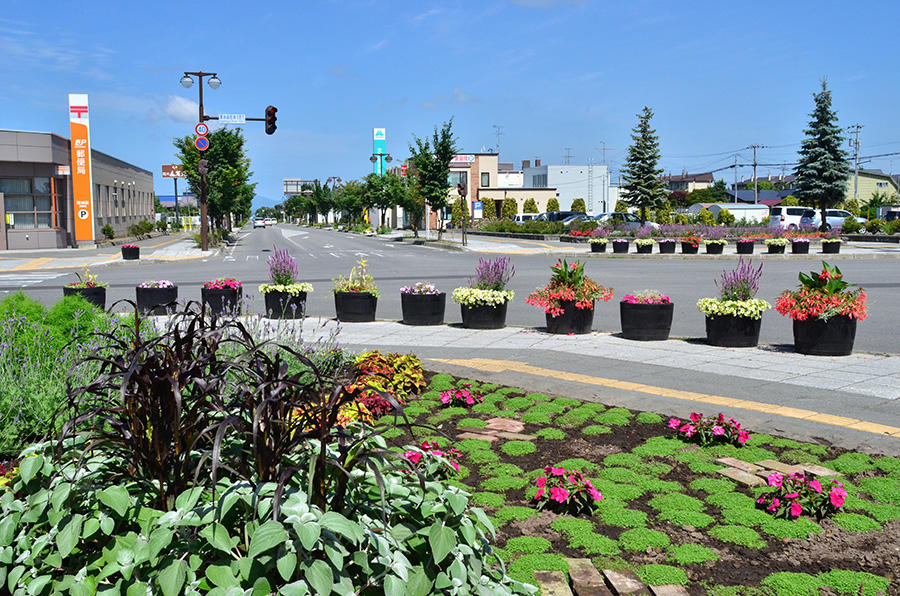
(603, 149)
(568, 156)
(590, 193)
(735, 178)
(498, 130)
(855, 143)
(755, 181)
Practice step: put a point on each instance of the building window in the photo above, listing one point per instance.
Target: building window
(539, 181)
(485, 179)
(881, 185)
(28, 202)
(455, 177)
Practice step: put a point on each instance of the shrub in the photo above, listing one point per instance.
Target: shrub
(873, 226)
(851, 225)
(553, 204)
(654, 574)
(530, 206)
(724, 217)
(892, 227)
(108, 232)
(640, 539)
(509, 209)
(488, 209)
(578, 205)
(706, 218)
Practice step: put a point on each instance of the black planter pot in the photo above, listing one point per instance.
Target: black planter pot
(355, 307)
(714, 249)
(155, 300)
(776, 249)
(576, 321)
(667, 248)
(831, 248)
(689, 249)
(423, 309)
(281, 305)
(484, 316)
(646, 322)
(800, 248)
(745, 248)
(833, 337)
(221, 301)
(620, 247)
(598, 246)
(644, 249)
(96, 295)
(131, 253)
(730, 331)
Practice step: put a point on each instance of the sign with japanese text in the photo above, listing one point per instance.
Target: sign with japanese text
(463, 159)
(82, 183)
(232, 118)
(174, 170)
(379, 148)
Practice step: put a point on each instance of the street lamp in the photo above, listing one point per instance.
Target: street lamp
(384, 157)
(214, 83)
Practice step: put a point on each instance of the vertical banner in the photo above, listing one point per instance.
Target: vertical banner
(82, 183)
(379, 147)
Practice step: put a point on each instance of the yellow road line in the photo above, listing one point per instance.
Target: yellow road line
(166, 243)
(492, 365)
(32, 264)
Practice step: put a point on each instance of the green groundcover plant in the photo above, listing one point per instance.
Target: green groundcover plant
(202, 461)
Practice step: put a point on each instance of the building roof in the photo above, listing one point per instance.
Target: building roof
(779, 179)
(746, 196)
(685, 177)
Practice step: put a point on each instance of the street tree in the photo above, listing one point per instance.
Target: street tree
(349, 200)
(642, 186)
(383, 192)
(431, 164)
(228, 188)
(822, 168)
(578, 205)
(412, 202)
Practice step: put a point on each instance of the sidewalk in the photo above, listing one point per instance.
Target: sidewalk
(850, 401)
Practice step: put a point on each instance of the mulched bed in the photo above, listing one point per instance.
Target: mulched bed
(873, 547)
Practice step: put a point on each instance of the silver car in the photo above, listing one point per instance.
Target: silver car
(621, 218)
(834, 218)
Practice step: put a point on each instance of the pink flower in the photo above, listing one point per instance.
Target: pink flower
(721, 417)
(791, 495)
(775, 479)
(674, 422)
(558, 471)
(816, 486)
(445, 398)
(413, 456)
(541, 481)
(540, 493)
(775, 504)
(470, 400)
(796, 509)
(695, 417)
(743, 437)
(559, 494)
(688, 430)
(718, 431)
(761, 500)
(837, 496)
(595, 494)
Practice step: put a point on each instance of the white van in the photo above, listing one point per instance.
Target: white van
(788, 217)
(523, 217)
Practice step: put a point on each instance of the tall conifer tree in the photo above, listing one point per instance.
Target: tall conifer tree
(822, 169)
(642, 188)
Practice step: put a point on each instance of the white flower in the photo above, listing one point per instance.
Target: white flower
(751, 309)
(476, 297)
(292, 289)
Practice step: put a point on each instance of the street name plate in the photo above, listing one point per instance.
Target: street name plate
(232, 118)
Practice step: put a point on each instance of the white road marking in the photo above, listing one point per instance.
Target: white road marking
(25, 279)
(252, 257)
(334, 255)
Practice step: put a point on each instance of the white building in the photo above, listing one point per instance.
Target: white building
(589, 182)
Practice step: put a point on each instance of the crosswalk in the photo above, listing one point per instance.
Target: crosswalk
(15, 281)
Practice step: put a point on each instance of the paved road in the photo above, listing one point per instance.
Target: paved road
(323, 254)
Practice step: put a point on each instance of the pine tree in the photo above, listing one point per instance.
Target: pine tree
(530, 206)
(578, 205)
(822, 169)
(552, 204)
(643, 188)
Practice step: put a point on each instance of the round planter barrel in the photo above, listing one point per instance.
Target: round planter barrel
(620, 247)
(355, 307)
(281, 305)
(714, 249)
(485, 316)
(644, 249)
(731, 331)
(573, 320)
(688, 248)
(598, 246)
(667, 248)
(154, 301)
(95, 295)
(831, 248)
(423, 309)
(775, 249)
(646, 322)
(131, 253)
(800, 248)
(221, 301)
(745, 248)
(833, 337)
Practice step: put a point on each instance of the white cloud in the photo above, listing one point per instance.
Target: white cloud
(463, 96)
(180, 109)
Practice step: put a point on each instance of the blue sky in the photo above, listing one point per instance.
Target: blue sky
(554, 74)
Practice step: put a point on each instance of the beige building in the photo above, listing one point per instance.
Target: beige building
(687, 182)
(871, 182)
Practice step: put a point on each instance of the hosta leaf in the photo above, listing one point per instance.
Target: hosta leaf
(68, 536)
(319, 577)
(266, 536)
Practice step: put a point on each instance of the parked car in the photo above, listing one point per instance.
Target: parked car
(259, 223)
(788, 217)
(523, 217)
(271, 221)
(622, 218)
(834, 218)
(892, 214)
(575, 218)
(560, 215)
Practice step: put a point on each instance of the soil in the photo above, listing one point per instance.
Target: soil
(876, 552)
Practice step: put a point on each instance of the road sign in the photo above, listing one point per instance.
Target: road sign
(232, 118)
(403, 169)
(201, 143)
(173, 171)
(83, 214)
(201, 129)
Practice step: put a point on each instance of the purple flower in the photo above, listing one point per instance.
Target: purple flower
(492, 274)
(283, 269)
(741, 283)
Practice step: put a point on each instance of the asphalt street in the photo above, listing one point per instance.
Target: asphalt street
(324, 254)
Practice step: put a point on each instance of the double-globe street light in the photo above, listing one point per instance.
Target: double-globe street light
(214, 83)
(383, 157)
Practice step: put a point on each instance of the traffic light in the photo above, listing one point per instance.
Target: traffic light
(461, 189)
(270, 119)
(203, 167)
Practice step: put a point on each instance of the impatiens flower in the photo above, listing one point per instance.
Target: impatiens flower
(558, 471)
(837, 496)
(796, 509)
(559, 494)
(413, 456)
(595, 494)
(761, 500)
(674, 422)
(775, 479)
(696, 417)
(791, 495)
(541, 481)
(816, 486)
(718, 431)
(743, 437)
(540, 493)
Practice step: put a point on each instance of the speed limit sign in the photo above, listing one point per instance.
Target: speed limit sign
(201, 129)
